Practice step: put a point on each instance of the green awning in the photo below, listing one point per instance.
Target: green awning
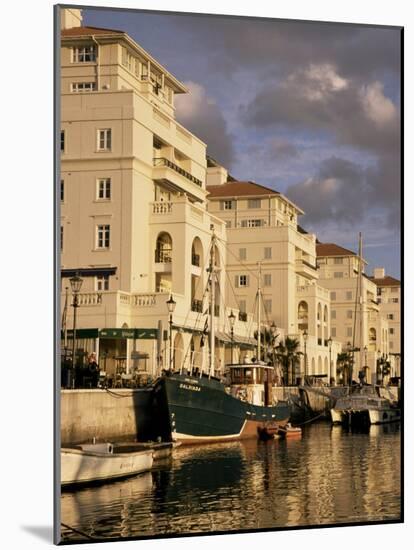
(131, 333)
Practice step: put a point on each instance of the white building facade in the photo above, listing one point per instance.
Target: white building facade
(134, 224)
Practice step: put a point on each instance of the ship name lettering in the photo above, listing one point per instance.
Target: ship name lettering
(187, 387)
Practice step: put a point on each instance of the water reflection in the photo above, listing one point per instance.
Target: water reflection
(328, 476)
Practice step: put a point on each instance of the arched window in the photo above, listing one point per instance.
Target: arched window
(303, 316)
(197, 256)
(163, 251)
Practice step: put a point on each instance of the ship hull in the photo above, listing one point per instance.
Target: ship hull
(201, 411)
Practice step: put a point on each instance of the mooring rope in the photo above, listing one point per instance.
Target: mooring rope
(77, 531)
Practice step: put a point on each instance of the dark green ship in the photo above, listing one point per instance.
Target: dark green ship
(202, 409)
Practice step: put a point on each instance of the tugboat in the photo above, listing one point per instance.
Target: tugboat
(201, 408)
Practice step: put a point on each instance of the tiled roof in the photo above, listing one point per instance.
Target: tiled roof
(331, 249)
(88, 31)
(386, 281)
(239, 189)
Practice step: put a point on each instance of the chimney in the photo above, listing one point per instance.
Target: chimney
(70, 17)
(379, 273)
(216, 175)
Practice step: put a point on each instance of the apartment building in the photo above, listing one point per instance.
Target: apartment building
(263, 236)
(389, 299)
(356, 320)
(134, 223)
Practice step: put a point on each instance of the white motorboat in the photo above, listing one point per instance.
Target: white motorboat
(99, 462)
(364, 405)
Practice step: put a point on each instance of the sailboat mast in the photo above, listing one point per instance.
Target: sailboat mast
(212, 300)
(259, 321)
(361, 305)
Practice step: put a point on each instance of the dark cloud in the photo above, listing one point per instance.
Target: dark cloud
(318, 98)
(235, 42)
(197, 112)
(346, 193)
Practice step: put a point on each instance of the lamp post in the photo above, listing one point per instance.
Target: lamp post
(171, 307)
(76, 285)
(305, 338)
(330, 360)
(232, 319)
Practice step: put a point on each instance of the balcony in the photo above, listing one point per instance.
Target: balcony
(163, 259)
(167, 172)
(306, 269)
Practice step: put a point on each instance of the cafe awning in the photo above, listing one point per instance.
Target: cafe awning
(130, 333)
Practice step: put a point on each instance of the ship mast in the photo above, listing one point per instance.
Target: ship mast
(259, 323)
(361, 305)
(212, 270)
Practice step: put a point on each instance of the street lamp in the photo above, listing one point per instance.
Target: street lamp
(76, 285)
(232, 319)
(171, 307)
(305, 338)
(330, 359)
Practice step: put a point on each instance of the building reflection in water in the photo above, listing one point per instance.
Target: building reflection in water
(328, 476)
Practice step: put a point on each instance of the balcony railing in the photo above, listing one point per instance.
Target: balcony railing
(195, 260)
(163, 256)
(243, 316)
(178, 169)
(197, 305)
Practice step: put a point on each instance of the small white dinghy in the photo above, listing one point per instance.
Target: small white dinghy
(98, 462)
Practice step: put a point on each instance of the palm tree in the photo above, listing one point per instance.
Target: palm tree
(266, 339)
(289, 356)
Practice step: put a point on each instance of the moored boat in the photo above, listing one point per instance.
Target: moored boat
(98, 462)
(364, 405)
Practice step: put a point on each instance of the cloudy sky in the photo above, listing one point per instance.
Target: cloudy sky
(309, 109)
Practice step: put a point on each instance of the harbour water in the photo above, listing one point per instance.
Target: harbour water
(328, 476)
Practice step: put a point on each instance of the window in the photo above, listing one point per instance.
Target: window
(333, 332)
(83, 87)
(391, 344)
(268, 253)
(349, 331)
(84, 54)
(62, 190)
(127, 60)
(378, 300)
(393, 301)
(338, 274)
(104, 189)
(242, 254)
(333, 296)
(390, 316)
(338, 261)
(379, 290)
(62, 141)
(252, 223)
(394, 289)
(267, 306)
(105, 139)
(242, 306)
(242, 280)
(61, 237)
(348, 294)
(349, 314)
(227, 205)
(228, 224)
(333, 314)
(254, 203)
(102, 282)
(102, 236)
(391, 331)
(267, 279)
